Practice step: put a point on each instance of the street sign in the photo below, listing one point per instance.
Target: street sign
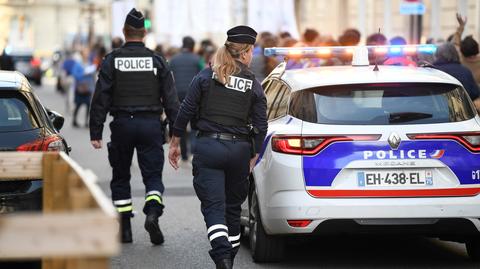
(412, 8)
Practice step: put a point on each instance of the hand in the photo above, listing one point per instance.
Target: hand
(253, 161)
(461, 21)
(97, 144)
(174, 152)
(476, 102)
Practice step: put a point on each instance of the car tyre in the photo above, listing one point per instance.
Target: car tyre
(473, 249)
(263, 247)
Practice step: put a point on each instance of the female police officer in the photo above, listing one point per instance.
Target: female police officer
(228, 103)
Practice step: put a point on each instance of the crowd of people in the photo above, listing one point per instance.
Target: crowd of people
(455, 56)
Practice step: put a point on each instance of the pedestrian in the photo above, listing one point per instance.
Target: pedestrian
(376, 39)
(117, 42)
(185, 65)
(448, 61)
(135, 85)
(350, 37)
(67, 79)
(310, 38)
(262, 65)
(230, 108)
(6, 61)
(468, 47)
(206, 52)
(83, 72)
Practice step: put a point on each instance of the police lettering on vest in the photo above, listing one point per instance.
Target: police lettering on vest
(239, 84)
(136, 83)
(134, 64)
(228, 104)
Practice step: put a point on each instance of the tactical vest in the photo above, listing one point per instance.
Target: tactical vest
(135, 80)
(229, 104)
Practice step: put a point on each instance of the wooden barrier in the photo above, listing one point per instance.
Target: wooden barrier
(78, 226)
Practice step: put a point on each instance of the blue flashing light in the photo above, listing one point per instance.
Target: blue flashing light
(395, 50)
(270, 51)
(428, 49)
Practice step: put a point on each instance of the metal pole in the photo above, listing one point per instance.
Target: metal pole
(387, 15)
(434, 20)
(362, 15)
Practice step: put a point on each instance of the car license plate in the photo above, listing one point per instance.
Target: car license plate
(391, 178)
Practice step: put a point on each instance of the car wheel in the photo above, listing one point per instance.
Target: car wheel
(473, 248)
(263, 247)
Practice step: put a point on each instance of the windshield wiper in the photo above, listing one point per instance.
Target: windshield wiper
(408, 116)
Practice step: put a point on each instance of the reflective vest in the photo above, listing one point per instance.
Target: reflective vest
(135, 80)
(229, 104)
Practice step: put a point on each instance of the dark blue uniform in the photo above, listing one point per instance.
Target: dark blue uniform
(221, 163)
(134, 126)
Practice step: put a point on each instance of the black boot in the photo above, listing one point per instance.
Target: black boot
(125, 229)
(153, 229)
(224, 264)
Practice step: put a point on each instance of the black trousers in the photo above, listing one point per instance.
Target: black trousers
(221, 170)
(144, 134)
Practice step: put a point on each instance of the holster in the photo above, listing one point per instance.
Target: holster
(253, 132)
(165, 130)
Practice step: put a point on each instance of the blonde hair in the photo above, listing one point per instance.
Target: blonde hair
(224, 62)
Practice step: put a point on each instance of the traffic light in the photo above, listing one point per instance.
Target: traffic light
(148, 21)
(148, 24)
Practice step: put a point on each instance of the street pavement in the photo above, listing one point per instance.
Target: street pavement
(186, 244)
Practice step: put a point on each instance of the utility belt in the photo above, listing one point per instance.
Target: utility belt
(224, 136)
(136, 114)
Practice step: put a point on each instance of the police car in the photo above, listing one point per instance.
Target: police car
(363, 148)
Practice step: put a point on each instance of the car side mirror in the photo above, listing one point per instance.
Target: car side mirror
(56, 118)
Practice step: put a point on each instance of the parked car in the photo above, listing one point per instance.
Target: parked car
(25, 125)
(365, 149)
(25, 63)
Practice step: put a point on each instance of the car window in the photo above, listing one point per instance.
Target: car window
(277, 99)
(15, 113)
(41, 111)
(378, 104)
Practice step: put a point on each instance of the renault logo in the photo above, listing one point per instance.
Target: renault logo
(394, 140)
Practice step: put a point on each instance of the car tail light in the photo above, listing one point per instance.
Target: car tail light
(470, 140)
(310, 145)
(35, 62)
(300, 223)
(49, 143)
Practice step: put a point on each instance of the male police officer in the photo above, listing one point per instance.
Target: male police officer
(134, 85)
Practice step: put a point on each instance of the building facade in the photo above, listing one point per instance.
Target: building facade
(48, 25)
(368, 16)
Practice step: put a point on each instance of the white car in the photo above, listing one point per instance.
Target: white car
(354, 149)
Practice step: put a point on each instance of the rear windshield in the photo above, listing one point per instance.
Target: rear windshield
(380, 104)
(15, 114)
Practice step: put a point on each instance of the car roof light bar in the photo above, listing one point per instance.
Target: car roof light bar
(328, 52)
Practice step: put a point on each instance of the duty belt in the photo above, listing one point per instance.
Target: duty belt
(137, 114)
(224, 136)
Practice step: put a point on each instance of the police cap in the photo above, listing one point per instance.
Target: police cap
(135, 19)
(242, 34)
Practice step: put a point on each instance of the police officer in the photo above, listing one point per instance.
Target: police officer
(135, 85)
(230, 103)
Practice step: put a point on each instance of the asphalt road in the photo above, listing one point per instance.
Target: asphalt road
(186, 244)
